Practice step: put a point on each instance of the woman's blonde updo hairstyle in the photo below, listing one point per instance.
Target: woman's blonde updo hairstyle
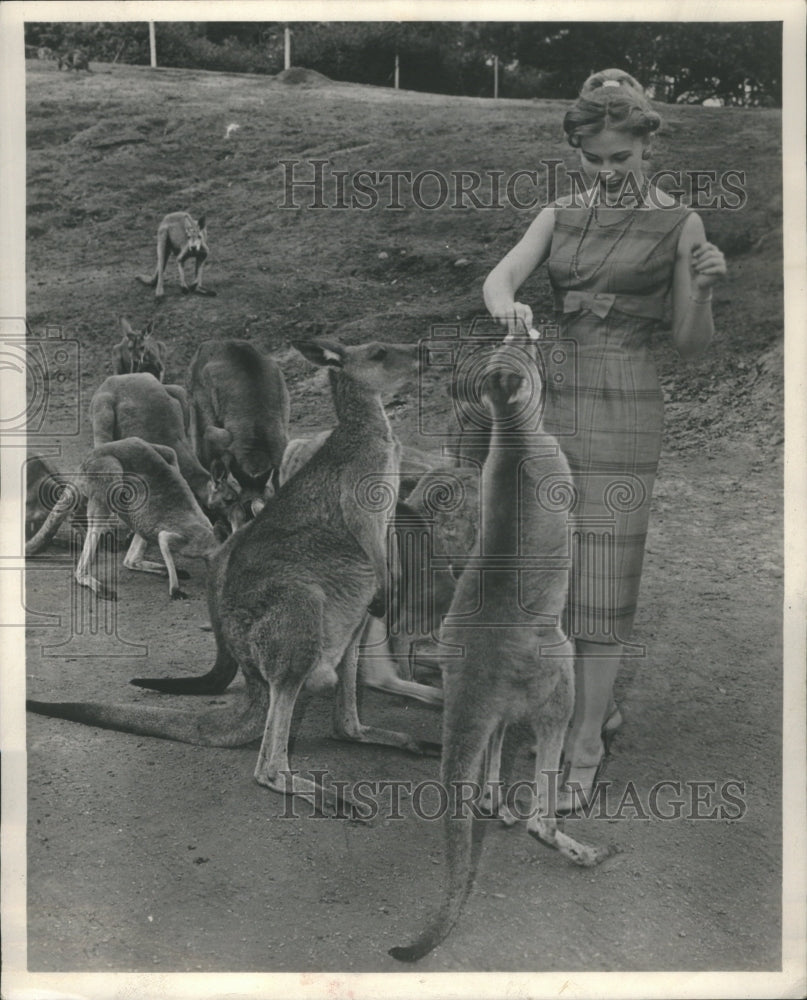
(610, 99)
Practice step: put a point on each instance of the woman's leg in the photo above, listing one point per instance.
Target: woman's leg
(595, 668)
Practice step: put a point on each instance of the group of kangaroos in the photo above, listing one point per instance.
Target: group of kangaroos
(299, 577)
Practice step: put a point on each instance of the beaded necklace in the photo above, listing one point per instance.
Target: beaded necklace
(593, 215)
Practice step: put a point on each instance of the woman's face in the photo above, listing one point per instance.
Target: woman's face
(613, 155)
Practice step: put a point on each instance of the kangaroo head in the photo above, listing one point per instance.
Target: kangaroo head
(378, 368)
(153, 353)
(513, 384)
(135, 340)
(195, 232)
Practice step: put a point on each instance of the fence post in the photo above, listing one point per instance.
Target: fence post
(153, 45)
(495, 77)
(287, 48)
(397, 71)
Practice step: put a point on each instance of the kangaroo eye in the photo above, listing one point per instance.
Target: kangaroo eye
(378, 353)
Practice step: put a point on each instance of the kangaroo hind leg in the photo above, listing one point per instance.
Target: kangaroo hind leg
(134, 560)
(550, 721)
(196, 286)
(346, 723)
(162, 261)
(97, 516)
(286, 657)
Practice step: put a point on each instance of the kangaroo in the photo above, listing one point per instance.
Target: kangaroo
(239, 413)
(379, 656)
(141, 484)
(288, 593)
(181, 235)
(137, 405)
(139, 351)
(505, 610)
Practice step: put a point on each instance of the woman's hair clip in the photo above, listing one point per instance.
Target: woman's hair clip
(611, 83)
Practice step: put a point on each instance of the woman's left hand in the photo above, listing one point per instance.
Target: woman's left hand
(707, 266)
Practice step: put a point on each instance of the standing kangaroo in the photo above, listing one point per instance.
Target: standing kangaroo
(288, 594)
(139, 351)
(239, 413)
(139, 483)
(181, 235)
(377, 669)
(505, 616)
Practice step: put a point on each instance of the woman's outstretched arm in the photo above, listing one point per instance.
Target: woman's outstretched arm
(513, 270)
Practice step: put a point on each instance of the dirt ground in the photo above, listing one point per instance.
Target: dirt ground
(150, 856)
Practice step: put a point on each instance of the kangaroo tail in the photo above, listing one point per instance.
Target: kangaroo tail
(239, 723)
(463, 837)
(213, 682)
(67, 502)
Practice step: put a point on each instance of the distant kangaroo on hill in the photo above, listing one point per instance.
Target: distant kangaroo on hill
(504, 612)
(181, 235)
(139, 351)
(288, 594)
(239, 413)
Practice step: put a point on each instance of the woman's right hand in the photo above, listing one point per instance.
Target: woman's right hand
(517, 319)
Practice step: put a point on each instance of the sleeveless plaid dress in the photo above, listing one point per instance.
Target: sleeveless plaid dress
(608, 417)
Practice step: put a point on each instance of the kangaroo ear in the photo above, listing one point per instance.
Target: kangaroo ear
(149, 327)
(126, 326)
(202, 221)
(322, 352)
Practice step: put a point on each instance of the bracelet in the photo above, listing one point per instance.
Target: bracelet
(700, 302)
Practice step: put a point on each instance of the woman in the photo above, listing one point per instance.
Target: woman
(612, 263)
